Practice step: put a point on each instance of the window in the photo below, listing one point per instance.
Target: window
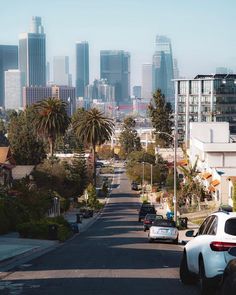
(230, 227)
(213, 226)
(205, 225)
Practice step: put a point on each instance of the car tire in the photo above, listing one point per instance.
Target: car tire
(176, 241)
(206, 288)
(186, 277)
(150, 240)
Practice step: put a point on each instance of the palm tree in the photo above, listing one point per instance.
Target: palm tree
(50, 120)
(93, 128)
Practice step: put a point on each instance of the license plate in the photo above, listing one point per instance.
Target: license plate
(163, 231)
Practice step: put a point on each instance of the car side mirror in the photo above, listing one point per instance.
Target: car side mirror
(189, 233)
(232, 251)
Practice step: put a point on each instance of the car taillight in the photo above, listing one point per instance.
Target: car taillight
(221, 246)
(147, 221)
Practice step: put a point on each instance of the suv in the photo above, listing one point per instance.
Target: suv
(206, 256)
(144, 210)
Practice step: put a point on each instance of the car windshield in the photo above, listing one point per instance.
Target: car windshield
(164, 223)
(150, 217)
(230, 227)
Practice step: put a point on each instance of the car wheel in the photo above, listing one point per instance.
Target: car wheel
(206, 288)
(176, 241)
(186, 277)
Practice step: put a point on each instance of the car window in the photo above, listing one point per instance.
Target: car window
(230, 226)
(212, 229)
(204, 226)
(164, 222)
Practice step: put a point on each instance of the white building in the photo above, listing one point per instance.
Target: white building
(61, 75)
(147, 81)
(13, 89)
(212, 147)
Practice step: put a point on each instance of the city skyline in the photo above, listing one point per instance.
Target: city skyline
(194, 30)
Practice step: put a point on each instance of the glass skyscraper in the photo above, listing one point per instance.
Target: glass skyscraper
(8, 60)
(32, 55)
(163, 72)
(61, 74)
(115, 68)
(82, 67)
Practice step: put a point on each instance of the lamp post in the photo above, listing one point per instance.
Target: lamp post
(175, 168)
(143, 180)
(151, 173)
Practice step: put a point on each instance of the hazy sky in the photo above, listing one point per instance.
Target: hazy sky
(202, 31)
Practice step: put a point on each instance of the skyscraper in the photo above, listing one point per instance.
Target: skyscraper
(147, 81)
(32, 54)
(175, 68)
(61, 74)
(115, 67)
(8, 60)
(163, 68)
(82, 67)
(137, 91)
(13, 90)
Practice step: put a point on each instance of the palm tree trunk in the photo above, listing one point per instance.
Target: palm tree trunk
(94, 166)
(51, 146)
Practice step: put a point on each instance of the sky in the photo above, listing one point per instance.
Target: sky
(202, 31)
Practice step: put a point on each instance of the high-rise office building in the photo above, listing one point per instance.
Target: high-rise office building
(13, 90)
(82, 67)
(115, 68)
(163, 68)
(175, 68)
(147, 81)
(137, 91)
(34, 94)
(100, 90)
(61, 75)
(8, 60)
(48, 76)
(32, 54)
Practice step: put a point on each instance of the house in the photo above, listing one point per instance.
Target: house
(7, 163)
(215, 152)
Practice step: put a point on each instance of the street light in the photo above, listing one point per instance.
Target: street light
(175, 168)
(143, 177)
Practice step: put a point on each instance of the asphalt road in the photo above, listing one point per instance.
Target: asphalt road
(111, 257)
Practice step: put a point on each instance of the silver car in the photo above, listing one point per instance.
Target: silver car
(163, 229)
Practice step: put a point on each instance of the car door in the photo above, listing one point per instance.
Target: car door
(229, 236)
(196, 245)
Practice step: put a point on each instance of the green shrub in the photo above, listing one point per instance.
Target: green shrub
(40, 229)
(63, 233)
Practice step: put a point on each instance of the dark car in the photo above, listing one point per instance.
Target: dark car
(86, 213)
(149, 220)
(134, 186)
(228, 284)
(144, 210)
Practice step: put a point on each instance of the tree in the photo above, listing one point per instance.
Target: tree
(161, 115)
(129, 139)
(26, 148)
(93, 128)
(51, 120)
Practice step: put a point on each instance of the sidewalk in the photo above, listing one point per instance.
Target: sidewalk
(16, 251)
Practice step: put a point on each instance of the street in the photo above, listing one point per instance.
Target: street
(112, 257)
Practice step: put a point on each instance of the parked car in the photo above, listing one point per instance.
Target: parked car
(206, 256)
(163, 229)
(86, 212)
(134, 186)
(144, 210)
(149, 220)
(228, 283)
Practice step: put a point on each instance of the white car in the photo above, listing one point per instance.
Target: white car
(206, 256)
(163, 229)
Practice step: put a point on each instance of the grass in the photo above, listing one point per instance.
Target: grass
(197, 221)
